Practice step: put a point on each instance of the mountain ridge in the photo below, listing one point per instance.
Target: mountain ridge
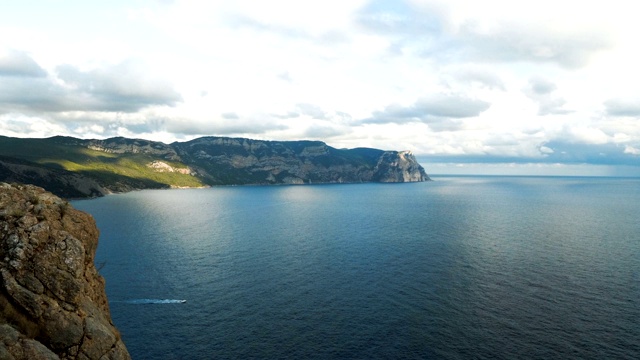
(75, 168)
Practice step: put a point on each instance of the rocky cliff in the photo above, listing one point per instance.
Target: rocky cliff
(245, 161)
(66, 165)
(52, 299)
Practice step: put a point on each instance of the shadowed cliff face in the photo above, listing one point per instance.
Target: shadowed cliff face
(245, 161)
(52, 299)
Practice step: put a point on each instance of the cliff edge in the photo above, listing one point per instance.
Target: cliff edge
(75, 168)
(52, 300)
(238, 161)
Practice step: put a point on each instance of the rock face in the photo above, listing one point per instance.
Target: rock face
(95, 167)
(246, 161)
(52, 299)
(400, 166)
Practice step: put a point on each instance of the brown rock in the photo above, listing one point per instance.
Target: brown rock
(52, 299)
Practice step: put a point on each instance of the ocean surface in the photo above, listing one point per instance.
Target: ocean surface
(457, 268)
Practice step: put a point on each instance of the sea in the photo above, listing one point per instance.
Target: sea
(462, 267)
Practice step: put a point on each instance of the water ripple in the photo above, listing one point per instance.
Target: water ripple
(484, 268)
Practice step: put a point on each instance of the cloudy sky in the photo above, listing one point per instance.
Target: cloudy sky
(490, 86)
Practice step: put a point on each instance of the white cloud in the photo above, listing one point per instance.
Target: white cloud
(628, 149)
(438, 110)
(546, 150)
(124, 87)
(477, 75)
(586, 135)
(19, 125)
(326, 131)
(509, 42)
(433, 76)
(444, 31)
(623, 107)
(542, 91)
(19, 63)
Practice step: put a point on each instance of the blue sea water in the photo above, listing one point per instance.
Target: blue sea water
(457, 268)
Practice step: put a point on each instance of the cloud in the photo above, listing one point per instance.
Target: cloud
(20, 64)
(400, 18)
(434, 76)
(584, 135)
(484, 78)
(589, 145)
(288, 115)
(513, 42)
(31, 95)
(628, 149)
(408, 29)
(285, 76)
(554, 152)
(147, 121)
(125, 87)
(103, 124)
(541, 86)
(243, 21)
(552, 106)
(312, 111)
(322, 121)
(325, 131)
(439, 111)
(121, 88)
(545, 150)
(542, 91)
(19, 125)
(230, 116)
(599, 154)
(430, 30)
(623, 107)
(191, 127)
(286, 30)
(453, 106)
(83, 124)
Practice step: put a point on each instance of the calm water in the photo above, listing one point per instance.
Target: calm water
(458, 268)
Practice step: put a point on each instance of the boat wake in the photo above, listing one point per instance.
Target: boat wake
(151, 301)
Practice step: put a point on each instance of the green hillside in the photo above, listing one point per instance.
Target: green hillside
(125, 169)
(74, 167)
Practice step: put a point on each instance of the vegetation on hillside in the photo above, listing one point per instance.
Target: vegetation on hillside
(124, 170)
(69, 166)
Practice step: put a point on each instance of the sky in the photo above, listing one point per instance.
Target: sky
(514, 87)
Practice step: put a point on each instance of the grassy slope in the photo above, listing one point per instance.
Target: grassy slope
(104, 167)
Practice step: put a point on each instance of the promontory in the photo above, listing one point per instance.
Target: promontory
(76, 168)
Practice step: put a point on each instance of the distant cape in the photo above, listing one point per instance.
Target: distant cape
(78, 168)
